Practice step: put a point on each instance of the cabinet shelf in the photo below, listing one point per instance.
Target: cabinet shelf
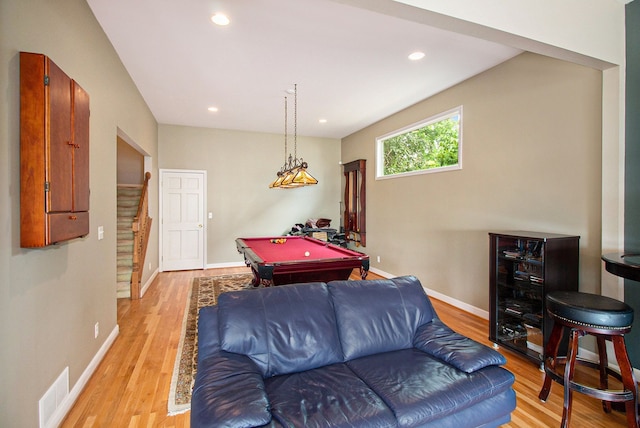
(531, 318)
(522, 285)
(531, 260)
(520, 346)
(524, 267)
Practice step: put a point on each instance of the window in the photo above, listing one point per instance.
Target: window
(432, 145)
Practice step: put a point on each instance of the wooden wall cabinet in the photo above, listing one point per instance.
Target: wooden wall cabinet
(54, 154)
(524, 267)
(355, 202)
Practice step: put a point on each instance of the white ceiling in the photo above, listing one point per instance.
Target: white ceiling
(350, 63)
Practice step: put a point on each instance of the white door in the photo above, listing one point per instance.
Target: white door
(182, 206)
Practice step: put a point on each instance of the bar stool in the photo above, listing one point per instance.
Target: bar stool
(606, 319)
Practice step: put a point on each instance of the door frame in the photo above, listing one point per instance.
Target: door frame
(160, 212)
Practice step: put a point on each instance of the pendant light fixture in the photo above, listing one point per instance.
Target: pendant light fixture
(293, 172)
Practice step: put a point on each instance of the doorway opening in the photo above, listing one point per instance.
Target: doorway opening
(133, 221)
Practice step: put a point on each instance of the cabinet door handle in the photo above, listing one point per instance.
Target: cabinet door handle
(73, 217)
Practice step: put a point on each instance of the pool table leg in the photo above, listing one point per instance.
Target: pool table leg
(257, 281)
(363, 272)
(261, 277)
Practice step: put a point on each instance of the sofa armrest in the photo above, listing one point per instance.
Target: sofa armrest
(208, 336)
(229, 392)
(438, 340)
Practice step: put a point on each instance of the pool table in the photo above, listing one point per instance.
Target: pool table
(290, 259)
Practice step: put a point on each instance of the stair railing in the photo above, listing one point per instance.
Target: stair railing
(141, 227)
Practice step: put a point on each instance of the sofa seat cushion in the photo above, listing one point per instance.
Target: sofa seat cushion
(283, 329)
(328, 396)
(379, 315)
(421, 389)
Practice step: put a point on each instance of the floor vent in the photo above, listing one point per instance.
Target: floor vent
(52, 399)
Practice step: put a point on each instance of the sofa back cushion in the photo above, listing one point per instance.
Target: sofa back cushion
(284, 329)
(379, 315)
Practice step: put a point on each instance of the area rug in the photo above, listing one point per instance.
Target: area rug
(204, 292)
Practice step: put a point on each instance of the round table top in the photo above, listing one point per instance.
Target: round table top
(624, 265)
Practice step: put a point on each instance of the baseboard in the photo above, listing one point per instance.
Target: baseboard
(225, 265)
(443, 297)
(382, 273)
(147, 284)
(458, 304)
(68, 402)
(592, 356)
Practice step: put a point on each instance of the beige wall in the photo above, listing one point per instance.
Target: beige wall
(51, 298)
(240, 166)
(531, 161)
(130, 164)
(594, 36)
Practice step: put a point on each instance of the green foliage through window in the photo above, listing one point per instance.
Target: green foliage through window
(431, 144)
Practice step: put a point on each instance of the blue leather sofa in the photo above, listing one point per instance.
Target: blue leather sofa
(342, 354)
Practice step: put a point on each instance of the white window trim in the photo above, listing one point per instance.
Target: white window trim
(426, 122)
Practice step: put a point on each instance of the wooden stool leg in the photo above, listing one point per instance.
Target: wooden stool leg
(568, 376)
(603, 364)
(628, 380)
(550, 355)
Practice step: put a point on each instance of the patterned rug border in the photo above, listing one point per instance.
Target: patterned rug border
(184, 368)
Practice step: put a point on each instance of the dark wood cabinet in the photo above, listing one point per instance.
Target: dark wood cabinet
(524, 267)
(54, 154)
(355, 202)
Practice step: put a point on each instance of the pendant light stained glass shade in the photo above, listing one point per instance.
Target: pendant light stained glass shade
(293, 172)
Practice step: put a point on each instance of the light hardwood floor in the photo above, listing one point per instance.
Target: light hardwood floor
(131, 385)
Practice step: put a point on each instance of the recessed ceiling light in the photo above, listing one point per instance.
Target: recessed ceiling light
(220, 19)
(213, 109)
(322, 120)
(415, 56)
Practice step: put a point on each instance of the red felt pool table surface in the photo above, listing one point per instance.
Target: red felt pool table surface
(281, 260)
